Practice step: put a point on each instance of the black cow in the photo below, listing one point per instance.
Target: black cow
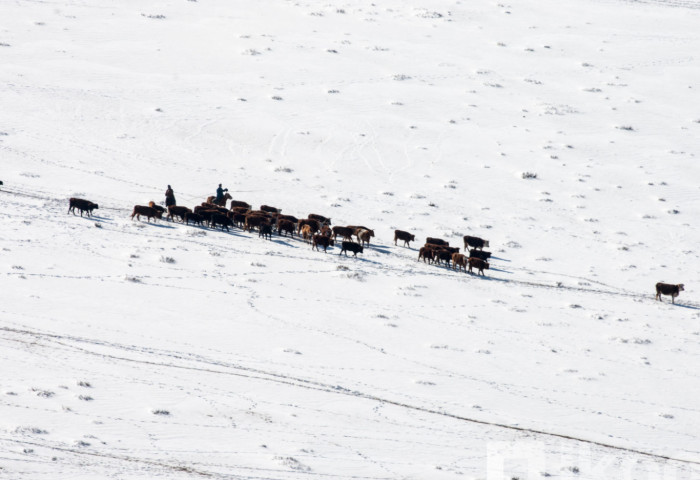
(82, 205)
(266, 231)
(220, 219)
(195, 218)
(352, 247)
(482, 254)
(668, 289)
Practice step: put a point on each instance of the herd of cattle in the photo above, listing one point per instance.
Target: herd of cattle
(317, 230)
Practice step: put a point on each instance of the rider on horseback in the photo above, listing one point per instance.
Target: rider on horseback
(220, 194)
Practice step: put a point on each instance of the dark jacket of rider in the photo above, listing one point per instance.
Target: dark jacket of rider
(220, 193)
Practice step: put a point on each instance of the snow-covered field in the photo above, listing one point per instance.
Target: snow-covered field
(132, 350)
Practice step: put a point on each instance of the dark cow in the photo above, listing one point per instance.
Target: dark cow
(426, 253)
(405, 236)
(459, 262)
(475, 242)
(220, 219)
(160, 208)
(443, 255)
(478, 263)
(668, 289)
(286, 226)
(323, 220)
(82, 205)
(323, 241)
(253, 221)
(147, 212)
(352, 247)
(266, 231)
(482, 254)
(178, 211)
(240, 204)
(345, 232)
(291, 218)
(208, 214)
(266, 208)
(238, 219)
(195, 218)
(315, 224)
(437, 241)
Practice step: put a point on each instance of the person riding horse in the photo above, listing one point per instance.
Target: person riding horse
(220, 194)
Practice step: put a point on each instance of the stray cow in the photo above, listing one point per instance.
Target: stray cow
(405, 236)
(82, 205)
(668, 289)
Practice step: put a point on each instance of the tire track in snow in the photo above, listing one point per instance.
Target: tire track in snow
(289, 380)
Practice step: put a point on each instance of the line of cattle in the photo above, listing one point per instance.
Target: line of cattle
(317, 230)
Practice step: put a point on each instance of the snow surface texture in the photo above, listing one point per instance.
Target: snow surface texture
(565, 132)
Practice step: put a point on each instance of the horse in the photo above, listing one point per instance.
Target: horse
(222, 202)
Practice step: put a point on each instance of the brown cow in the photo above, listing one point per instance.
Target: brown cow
(286, 226)
(437, 241)
(323, 220)
(291, 218)
(345, 232)
(82, 205)
(240, 204)
(148, 212)
(308, 221)
(177, 211)
(266, 208)
(475, 242)
(364, 235)
(252, 221)
(323, 241)
(459, 262)
(358, 228)
(307, 233)
(426, 253)
(668, 289)
(405, 236)
(480, 264)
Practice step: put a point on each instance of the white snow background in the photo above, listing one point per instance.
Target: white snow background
(132, 350)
